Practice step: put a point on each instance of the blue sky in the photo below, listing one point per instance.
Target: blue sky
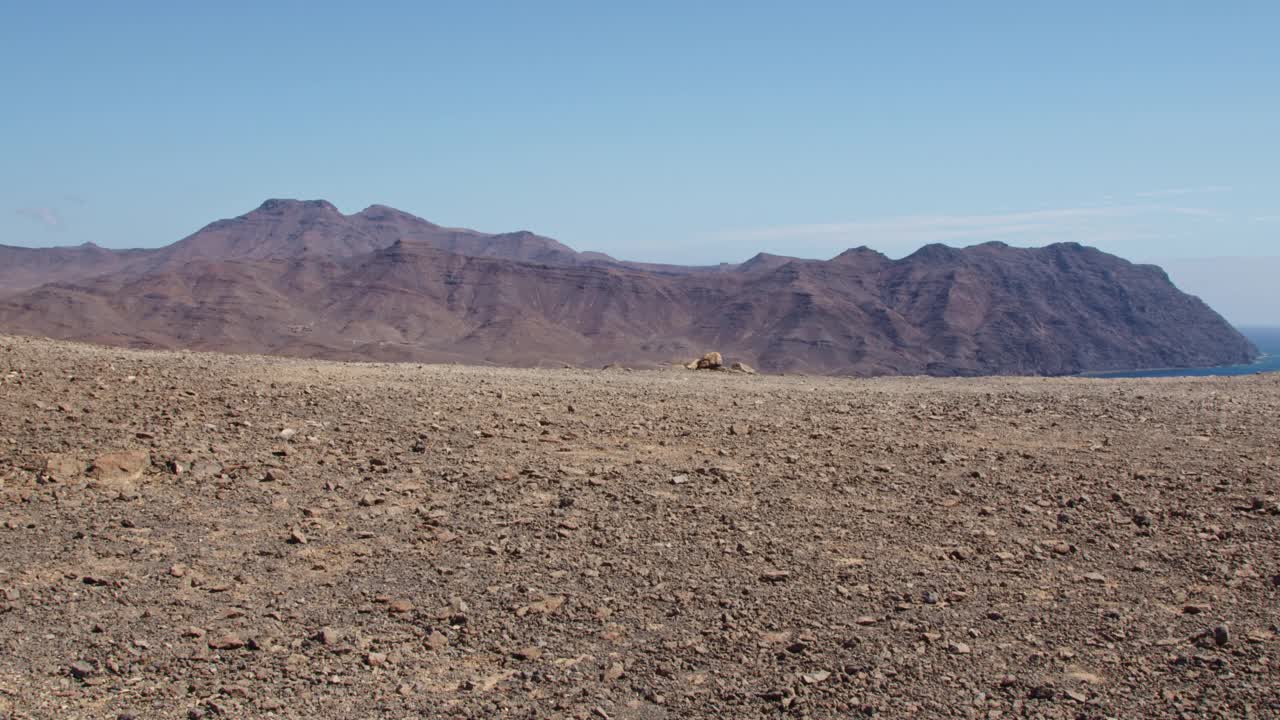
(660, 131)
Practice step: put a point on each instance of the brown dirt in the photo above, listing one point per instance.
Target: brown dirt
(324, 540)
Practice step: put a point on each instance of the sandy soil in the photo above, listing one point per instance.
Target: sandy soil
(205, 536)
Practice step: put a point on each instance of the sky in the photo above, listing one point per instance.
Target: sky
(664, 131)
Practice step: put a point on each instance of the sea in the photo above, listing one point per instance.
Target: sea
(1266, 338)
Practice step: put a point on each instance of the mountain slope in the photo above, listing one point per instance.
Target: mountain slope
(303, 279)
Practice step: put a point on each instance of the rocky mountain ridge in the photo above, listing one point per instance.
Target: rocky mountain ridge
(299, 278)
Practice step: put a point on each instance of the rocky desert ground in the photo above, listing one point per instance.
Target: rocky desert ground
(188, 535)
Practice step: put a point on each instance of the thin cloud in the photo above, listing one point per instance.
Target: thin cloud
(1176, 192)
(946, 227)
(47, 216)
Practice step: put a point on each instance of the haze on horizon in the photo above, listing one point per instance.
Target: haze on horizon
(666, 132)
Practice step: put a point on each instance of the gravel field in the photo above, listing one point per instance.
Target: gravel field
(187, 535)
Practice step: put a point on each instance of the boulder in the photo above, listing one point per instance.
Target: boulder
(710, 361)
(120, 467)
(742, 368)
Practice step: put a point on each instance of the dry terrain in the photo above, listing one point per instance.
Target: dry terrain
(212, 536)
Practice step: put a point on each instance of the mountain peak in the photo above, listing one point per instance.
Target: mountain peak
(860, 254)
(937, 252)
(279, 205)
(765, 261)
(387, 214)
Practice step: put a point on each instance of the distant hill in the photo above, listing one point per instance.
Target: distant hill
(22, 268)
(302, 279)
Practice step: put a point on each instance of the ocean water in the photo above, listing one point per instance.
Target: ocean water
(1267, 340)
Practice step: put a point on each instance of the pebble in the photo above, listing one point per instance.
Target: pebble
(533, 652)
(436, 640)
(1042, 692)
(230, 641)
(1222, 634)
(329, 636)
(815, 677)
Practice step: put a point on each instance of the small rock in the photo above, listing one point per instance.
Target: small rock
(297, 537)
(958, 648)
(329, 636)
(533, 652)
(544, 606)
(376, 659)
(740, 429)
(775, 576)
(62, 467)
(205, 469)
(1222, 634)
(613, 672)
(81, 669)
(815, 677)
(230, 641)
(1042, 692)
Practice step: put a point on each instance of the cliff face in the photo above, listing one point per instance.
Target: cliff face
(300, 278)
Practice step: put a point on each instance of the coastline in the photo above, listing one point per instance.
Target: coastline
(1266, 338)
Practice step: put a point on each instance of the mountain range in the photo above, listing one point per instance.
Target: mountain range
(300, 278)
